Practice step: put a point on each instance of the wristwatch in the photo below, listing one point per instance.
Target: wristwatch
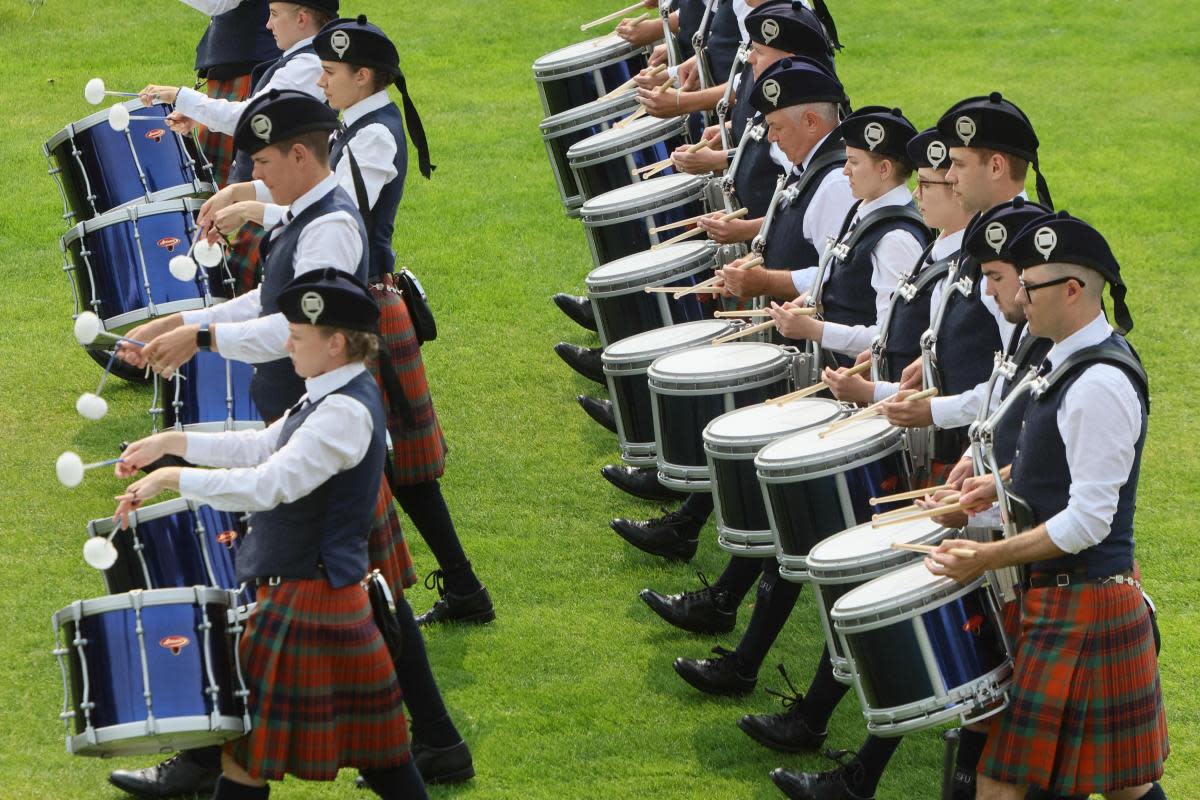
(204, 339)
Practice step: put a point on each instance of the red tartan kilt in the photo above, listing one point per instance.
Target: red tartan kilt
(323, 688)
(243, 257)
(218, 147)
(419, 450)
(387, 549)
(1085, 712)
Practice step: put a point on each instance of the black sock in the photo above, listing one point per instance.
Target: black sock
(425, 506)
(396, 783)
(776, 599)
(738, 576)
(232, 790)
(873, 756)
(1156, 793)
(698, 506)
(970, 748)
(823, 695)
(206, 757)
(430, 721)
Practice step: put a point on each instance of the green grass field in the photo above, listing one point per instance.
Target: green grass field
(570, 694)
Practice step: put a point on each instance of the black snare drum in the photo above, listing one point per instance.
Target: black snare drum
(561, 131)
(607, 160)
(585, 71)
(618, 223)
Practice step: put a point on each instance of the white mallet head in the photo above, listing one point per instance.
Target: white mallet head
(118, 117)
(93, 91)
(182, 268)
(99, 552)
(87, 328)
(69, 468)
(207, 253)
(91, 406)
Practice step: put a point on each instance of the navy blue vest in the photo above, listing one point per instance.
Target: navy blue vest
(1042, 477)
(236, 41)
(968, 337)
(786, 247)
(908, 316)
(383, 213)
(723, 39)
(1030, 353)
(757, 172)
(243, 166)
(276, 386)
(690, 14)
(332, 523)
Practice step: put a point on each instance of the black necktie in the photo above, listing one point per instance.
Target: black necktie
(1045, 368)
(298, 407)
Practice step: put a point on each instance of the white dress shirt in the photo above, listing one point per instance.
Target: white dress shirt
(945, 245)
(213, 7)
(259, 474)
(823, 218)
(374, 149)
(331, 240)
(301, 74)
(894, 255)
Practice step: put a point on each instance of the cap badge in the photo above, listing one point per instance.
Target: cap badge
(340, 42)
(873, 134)
(996, 235)
(260, 125)
(965, 128)
(769, 30)
(936, 153)
(771, 91)
(312, 305)
(1044, 241)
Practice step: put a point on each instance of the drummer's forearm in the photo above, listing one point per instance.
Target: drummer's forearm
(1032, 545)
(702, 100)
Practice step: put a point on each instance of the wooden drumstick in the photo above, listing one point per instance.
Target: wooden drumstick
(762, 326)
(666, 162)
(749, 312)
(929, 549)
(741, 212)
(873, 410)
(632, 82)
(892, 498)
(681, 223)
(819, 386)
(911, 509)
(924, 513)
(612, 16)
(666, 289)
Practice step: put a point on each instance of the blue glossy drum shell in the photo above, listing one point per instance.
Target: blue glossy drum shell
(630, 396)
(609, 160)
(563, 130)
(684, 418)
(735, 483)
(97, 171)
(617, 223)
(807, 512)
(583, 72)
(633, 236)
(626, 315)
(214, 396)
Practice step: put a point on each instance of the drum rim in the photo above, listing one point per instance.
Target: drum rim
(696, 259)
(124, 213)
(644, 135)
(167, 508)
(743, 448)
(552, 127)
(779, 358)
(165, 726)
(684, 188)
(624, 364)
(898, 608)
(179, 595)
(94, 119)
(865, 451)
(600, 56)
(874, 564)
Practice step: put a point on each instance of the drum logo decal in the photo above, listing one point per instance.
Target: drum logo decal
(340, 42)
(227, 538)
(769, 30)
(974, 624)
(996, 235)
(169, 242)
(770, 91)
(260, 124)
(936, 153)
(966, 130)
(874, 134)
(156, 134)
(174, 643)
(312, 305)
(1044, 241)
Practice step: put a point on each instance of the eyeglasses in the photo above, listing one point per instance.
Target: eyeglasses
(923, 184)
(1028, 288)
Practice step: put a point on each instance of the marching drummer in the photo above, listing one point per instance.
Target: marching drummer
(310, 480)
(1086, 712)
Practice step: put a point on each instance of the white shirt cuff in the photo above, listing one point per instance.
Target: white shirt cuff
(884, 390)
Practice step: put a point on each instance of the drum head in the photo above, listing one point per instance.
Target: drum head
(642, 269)
(581, 56)
(647, 194)
(645, 347)
(863, 547)
(764, 423)
(609, 143)
(846, 447)
(588, 114)
(716, 362)
(906, 589)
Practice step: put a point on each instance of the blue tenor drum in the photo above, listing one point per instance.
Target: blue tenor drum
(924, 650)
(212, 396)
(98, 168)
(731, 441)
(607, 160)
(150, 672)
(563, 130)
(585, 71)
(618, 223)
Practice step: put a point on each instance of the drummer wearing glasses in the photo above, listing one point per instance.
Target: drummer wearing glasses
(1086, 712)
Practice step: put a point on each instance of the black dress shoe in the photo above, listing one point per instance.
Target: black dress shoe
(475, 607)
(674, 535)
(443, 764)
(178, 776)
(785, 732)
(641, 482)
(829, 785)
(579, 309)
(702, 611)
(599, 410)
(584, 360)
(716, 675)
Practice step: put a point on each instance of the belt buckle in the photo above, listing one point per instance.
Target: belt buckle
(274, 580)
(1062, 579)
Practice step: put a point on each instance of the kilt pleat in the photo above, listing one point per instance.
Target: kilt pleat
(419, 449)
(245, 263)
(387, 549)
(218, 147)
(1086, 712)
(323, 689)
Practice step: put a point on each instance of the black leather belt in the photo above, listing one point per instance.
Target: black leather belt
(1045, 580)
(275, 580)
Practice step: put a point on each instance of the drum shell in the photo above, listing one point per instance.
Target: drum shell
(96, 173)
(617, 230)
(561, 131)
(583, 72)
(683, 405)
(927, 661)
(647, 141)
(213, 396)
(623, 308)
(171, 652)
(630, 392)
(105, 257)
